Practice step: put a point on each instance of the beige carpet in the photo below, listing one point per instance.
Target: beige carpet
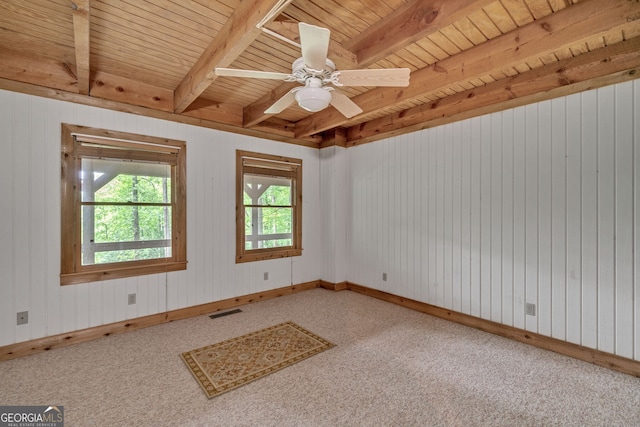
(224, 366)
(390, 367)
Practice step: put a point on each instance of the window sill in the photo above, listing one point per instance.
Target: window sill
(265, 254)
(96, 275)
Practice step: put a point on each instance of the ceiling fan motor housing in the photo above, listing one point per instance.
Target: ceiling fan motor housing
(302, 73)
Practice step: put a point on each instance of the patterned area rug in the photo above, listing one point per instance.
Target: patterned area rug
(224, 366)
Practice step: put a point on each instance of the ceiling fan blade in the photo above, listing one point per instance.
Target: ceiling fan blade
(232, 72)
(374, 77)
(283, 103)
(314, 42)
(346, 106)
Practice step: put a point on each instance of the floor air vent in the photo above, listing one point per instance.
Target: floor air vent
(226, 313)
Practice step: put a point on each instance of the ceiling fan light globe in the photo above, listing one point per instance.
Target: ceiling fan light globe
(313, 99)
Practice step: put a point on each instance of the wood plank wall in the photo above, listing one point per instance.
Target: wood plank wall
(30, 224)
(333, 176)
(537, 204)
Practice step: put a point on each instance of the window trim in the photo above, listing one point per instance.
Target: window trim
(71, 269)
(277, 164)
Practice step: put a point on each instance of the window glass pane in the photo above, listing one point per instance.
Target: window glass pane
(277, 195)
(125, 233)
(269, 243)
(125, 182)
(266, 190)
(268, 227)
(108, 257)
(122, 200)
(269, 216)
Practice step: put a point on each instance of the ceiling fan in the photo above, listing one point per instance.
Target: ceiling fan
(316, 72)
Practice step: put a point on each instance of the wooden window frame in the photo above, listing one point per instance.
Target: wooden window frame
(279, 166)
(130, 146)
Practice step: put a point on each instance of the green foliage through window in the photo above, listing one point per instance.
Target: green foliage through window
(123, 204)
(125, 216)
(268, 206)
(268, 212)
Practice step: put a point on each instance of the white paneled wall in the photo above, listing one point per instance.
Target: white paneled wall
(532, 205)
(30, 223)
(333, 175)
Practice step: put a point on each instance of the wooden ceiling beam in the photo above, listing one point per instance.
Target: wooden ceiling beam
(408, 24)
(81, 31)
(284, 128)
(122, 89)
(215, 111)
(37, 89)
(563, 29)
(39, 70)
(236, 35)
(334, 137)
(612, 64)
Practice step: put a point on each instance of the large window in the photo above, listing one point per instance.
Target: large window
(123, 205)
(269, 206)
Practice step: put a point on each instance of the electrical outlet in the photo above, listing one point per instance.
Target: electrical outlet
(23, 318)
(384, 277)
(530, 309)
(266, 275)
(131, 299)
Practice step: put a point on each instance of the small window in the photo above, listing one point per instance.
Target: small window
(268, 206)
(123, 205)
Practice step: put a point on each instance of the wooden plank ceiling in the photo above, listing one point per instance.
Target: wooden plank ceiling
(467, 57)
